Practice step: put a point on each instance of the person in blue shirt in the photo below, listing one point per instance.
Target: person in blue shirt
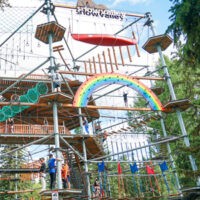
(52, 171)
(85, 124)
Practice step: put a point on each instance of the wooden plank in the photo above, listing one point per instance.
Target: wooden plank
(99, 59)
(94, 63)
(136, 46)
(92, 74)
(88, 106)
(115, 57)
(121, 55)
(104, 58)
(16, 192)
(85, 65)
(129, 53)
(89, 61)
(126, 13)
(111, 64)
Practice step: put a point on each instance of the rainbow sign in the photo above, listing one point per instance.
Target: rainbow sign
(84, 92)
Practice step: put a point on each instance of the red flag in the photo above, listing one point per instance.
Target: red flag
(149, 170)
(119, 168)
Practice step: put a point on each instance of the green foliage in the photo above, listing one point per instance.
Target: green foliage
(186, 23)
(4, 3)
(15, 160)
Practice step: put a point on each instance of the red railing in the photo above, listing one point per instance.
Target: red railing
(32, 129)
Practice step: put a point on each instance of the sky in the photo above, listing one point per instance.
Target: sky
(158, 8)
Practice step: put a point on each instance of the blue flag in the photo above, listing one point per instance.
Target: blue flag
(163, 166)
(101, 167)
(134, 168)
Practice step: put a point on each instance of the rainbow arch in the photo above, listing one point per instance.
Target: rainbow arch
(84, 92)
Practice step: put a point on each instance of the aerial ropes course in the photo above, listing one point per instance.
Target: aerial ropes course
(90, 71)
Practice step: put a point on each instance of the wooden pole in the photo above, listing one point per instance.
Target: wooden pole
(58, 49)
(121, 55)
(89, 61)
(115, 58)
(104, 58)
(94, 63)
(136, 46)
(99, 59)
(85, 65)
(111, 64)
(129, 53)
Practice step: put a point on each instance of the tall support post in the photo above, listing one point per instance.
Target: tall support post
(173, 96)
(86, 169)
(85, 155)
(16, 175)
(55, 108)
(169, 150)
(170, 154)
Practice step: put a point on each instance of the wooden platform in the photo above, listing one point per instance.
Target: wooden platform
(181, 104)
(151, 44)
(157, 90)
(64, 193)
(43, 31)
(16, 192)
(94, 149)
(19, 171)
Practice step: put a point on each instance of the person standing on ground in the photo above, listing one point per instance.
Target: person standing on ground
(42, 173)
(64, 176)
(68, 175)
(52, 171)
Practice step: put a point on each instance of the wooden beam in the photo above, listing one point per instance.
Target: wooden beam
(115, 57)
(16, 192)
(104, 58)
(85, 65)
(71, 106)
(90, 64)
(92, 74)
(129, 53)
(136, 46)
(74, 7)
(109, 55)
(121, 55)
(94, 63)
(99, 59)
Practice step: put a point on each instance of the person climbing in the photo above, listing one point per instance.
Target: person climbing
(105, 135)
(85, 124)
(97, 127)
(97, 188)
(125, 96)
(46, 125)
(42, 171)
(10, 125)
(56, 82)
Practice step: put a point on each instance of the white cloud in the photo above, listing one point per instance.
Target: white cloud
(132, 2)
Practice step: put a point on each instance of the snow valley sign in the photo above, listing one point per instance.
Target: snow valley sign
(104, 13)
